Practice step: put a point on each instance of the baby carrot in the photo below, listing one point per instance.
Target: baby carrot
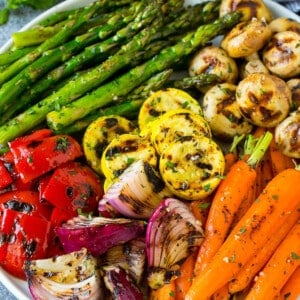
(266, 171)
(184, 281)
(221, 294)
(166, 292)
(225, 203)
(291, 290)
(232, 155)
(262, 220)
(200, 209)
(281, 265)
(231, 192)
(246, 202)
(279, 161)
(245, 276)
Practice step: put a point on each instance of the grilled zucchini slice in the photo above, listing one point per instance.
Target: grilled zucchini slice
(123, 150)
(163, 101)
(175, 125)
(99, 134)
(192, 167)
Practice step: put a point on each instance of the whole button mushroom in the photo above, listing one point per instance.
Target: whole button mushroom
(294, 85)
(250, 8)
(264, 99)
(246, 38)
(214, 60)
(222, 113)
(282, 54)
(287, 135)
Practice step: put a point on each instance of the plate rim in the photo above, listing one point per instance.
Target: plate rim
(19, 287)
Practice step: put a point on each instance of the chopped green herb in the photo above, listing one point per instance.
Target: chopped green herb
(62, 144)
(130, 160)
(171, 165)
(204, 205)
(232, 258)
(243, 230)
(89, 215)
(207, 187)
(295, 255)
(185, 104)
(30, 159)
(172, 294)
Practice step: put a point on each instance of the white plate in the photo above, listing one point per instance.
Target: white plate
(19, 287)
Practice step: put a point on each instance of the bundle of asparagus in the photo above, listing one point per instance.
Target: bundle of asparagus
(102, 58)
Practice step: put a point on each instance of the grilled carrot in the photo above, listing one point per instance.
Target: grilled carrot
(222, 293)
(279, 161)
(246, 202)
(228, 197)
(200, 209)
(184, 281)
(279, 268)
(232, 155)
(291, 290)
(266, 172)
(166, 292)
(262, 220)
(246, 275)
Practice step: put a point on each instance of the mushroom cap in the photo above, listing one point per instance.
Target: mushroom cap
(246, 38)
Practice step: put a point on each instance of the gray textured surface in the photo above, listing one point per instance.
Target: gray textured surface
(18, 18)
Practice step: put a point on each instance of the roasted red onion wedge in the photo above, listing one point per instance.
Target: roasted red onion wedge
(70, 276)
(98, 234)
(172, 234)
(106, 210)
(121, 285)
(130, 256)
(138, 191)
(42, 288)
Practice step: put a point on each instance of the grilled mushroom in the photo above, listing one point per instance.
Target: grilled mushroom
(214, 60)
(282, 54)
(264, 99)
(250, 8)
(287, 135)
(246, 38)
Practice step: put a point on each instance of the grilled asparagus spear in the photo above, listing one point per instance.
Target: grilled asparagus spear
(120, 86)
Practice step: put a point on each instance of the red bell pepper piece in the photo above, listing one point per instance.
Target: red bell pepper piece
(72, 187)
(58, 217)
(5, 177)
(32, 137)
(27, 202)
(39, 153)
(17, 184)
(23, 237)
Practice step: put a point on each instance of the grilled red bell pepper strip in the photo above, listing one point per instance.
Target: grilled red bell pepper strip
(5, 177)
(23, 237)
(39, 153)
(72, 187)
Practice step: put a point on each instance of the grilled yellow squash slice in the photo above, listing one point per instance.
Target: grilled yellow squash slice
(192, 167)
(123, 150)
(99, 134)
(163, 101)
(176, 125)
